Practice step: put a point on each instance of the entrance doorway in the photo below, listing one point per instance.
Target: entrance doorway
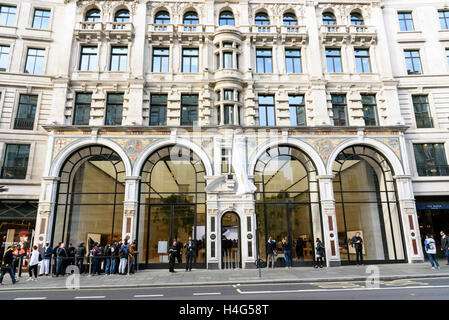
(230, 241)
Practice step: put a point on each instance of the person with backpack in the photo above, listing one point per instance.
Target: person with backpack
(7, 265)
(431, 250)
(46, 254)
(123, 254)
(319, 253)
(80, 253)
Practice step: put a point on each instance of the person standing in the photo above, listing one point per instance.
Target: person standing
(96, 259)
(19, 255)
(179, 250)
(357, 243)
(123, 254)
(61, 256)
(190, 253)
(46, 254)
(70, 255)
(132, 257)
(7, 265)
(114, 257)
(445, 245)
(107, 258)
(172, 255)
(80, 253)
(33, 263)
(319, 253)
(286, 246)
(431, 250)
(271, 252)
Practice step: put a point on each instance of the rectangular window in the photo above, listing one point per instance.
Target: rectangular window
(189, 109)
(369, 109)
(158, 110)
(333, 60)
(297, 110)
(422, 112)
(114, 109)
(362, 62)
(190, 60)
(225, 160)
(35, 61)
(266, 110)
(264, 61)
(339, 109)
(431, 159)
(227, 60)
(293, 61)
(412, 61)
(228, 114)
(7, 15)
(81, 114)
(212, 224)
(4, 57)
(119, 57)
(16, 161)
(41, 19)
(26, 112)
(405, 21)
(444, 19)
(160, 59)
(88, 59)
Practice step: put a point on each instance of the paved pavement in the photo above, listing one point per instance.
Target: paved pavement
(159, 278)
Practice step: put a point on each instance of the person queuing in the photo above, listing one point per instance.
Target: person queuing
(179, 250)
(7, 265)
(96, 255)
(80, 253)
(70, 255)
(55, 257)
(431, 250)
(19, 254)
(190, 253)
(33, 263)
(286, 246)
(271, 252)
(319, 253)
(61, 258)
(107, 259)
(123, 254)
(445, 245)
(357, 243)
(46, 254)
(172, 255)
(115, 257)
(132, 257)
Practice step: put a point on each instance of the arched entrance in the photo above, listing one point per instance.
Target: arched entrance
(287, 202)
(172, 204)
(90, 194)
(366, 202)
(231, 257)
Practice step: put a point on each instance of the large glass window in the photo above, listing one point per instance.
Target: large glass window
(293, 61)
(262, 19)
(333, 60)
(266, 110)
(16, 161)
(162, 17)
(444, 19)
(41, 19)
(189, 109)
(329, 18)
(405, 21)
(190, 60)
(289, 19)
(422, 112)
(226, 18)
(81, 114)
(26, 112)
(362, 61)
(412, 61)
(366, 202)
(160, 59)
(93, 15)
(88, 58)
(158, 110)
(431, 159)
(122, 16)
(339, 109)
(264, 61)
(356, 19)
(369, 109)
(227, 60)
(114, 109)
(35, 61)
(7, 15)
(297, 110)
(119, 58)
(191, 17)
(4, 57)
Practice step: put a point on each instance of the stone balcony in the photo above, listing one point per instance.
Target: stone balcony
(86, 31)
(294, 34)
(119, 31)
(361, 35)
(331, 34)
(264, 33)
(190, 32)
(160, 32)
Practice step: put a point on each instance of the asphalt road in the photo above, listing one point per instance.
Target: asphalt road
(426, 288)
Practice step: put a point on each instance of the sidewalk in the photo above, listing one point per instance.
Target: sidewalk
(159, 278)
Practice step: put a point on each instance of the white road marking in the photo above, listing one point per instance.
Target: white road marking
(90, 297)
(148, 295)
(331, 290)
(206, 293)
(31, 298)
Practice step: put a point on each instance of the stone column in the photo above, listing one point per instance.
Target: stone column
(213, 237)
(409, 219)
(46, 209)
(129, 226)
(329, 217)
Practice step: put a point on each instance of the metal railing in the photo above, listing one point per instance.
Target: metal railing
(24, 123)
(433, 170)
(231, 259)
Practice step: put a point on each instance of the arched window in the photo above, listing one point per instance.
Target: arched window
(191, 17)
(226, 18)
(290, 19)
(262, 19)
(329, 18)
(122, 16)
(93, 15)
(356, 19)
(162, 17)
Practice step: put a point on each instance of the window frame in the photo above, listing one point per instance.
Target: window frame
(423, 119)
(363, 59)
(226, 19)
(266, 59)
(295, 109)
(2, 56)
(8, 14)
(159, 106)
(120, 56)
(333, 58)
(366, 105)
(43, 50)
(342, 106)
(110, 105)
(161, 59)
(190, 57)
(413, 60)
(83, 106)
(89, 55)
(293, 58)
(404, 20)
(26, 166)
(189, 109)
(265, 107)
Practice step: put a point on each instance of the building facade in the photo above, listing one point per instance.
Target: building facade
(144, 105)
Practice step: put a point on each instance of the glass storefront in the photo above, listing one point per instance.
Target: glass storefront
(231, 257)
(366, 202)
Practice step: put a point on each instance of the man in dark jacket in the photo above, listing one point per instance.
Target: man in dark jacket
(7, 265)
(115, 257)
(271, 248)
(190, 253)
(172, 254)
(357, 243)
(71, 254)
(445, 245)
(107, 257)
(179, 250)
(46, 254)
(61, 257)
(80, 253)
